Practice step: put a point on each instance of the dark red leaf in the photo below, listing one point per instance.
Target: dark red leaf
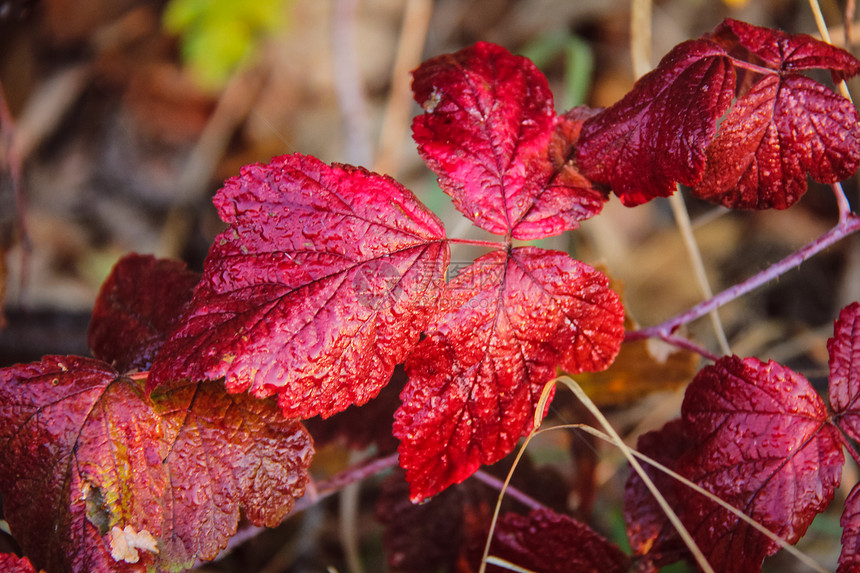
(763, 443)
(95, 477)
(322, 283)
(785, 127)
(849, 558)
(421, 538)
(844, 350)
(660, 128)
(510, 319)
(137, 307)
(785, 52)
(652, 536)
(13, 564)
(546, 542)
(487, 130)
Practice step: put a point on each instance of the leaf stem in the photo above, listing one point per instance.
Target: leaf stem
(847, 444)
(674, 340)
(849, 225)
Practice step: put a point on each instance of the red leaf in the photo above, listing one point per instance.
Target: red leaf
(785, 127)
(138, 305)
(511, 318)
(844, 349)
(226, 451)
(661, 127)
(849, 558)
(323, 282)
(786, 52)
(487, 131)
(112, 470)
(13, 564)
(652, 536)
(546, 542)
(762, 444)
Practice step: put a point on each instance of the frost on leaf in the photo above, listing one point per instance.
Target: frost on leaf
(321, 284)
(125, 543)
(85, 454)
(546, 542)
(138, 304)
(655, 137)
(783, 127)
(510, 319)
(653, 538)
(844, 390)
(761, 442)
(491, 134)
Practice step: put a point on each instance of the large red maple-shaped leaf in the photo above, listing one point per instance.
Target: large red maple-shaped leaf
(763, 443)
(138, 304)
(655, 137)
(321, 285)
(546, 542)
(96, 477)
(488, 131)
(511, 318)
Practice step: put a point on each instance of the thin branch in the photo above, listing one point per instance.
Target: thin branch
(850, 225)
(674, 340)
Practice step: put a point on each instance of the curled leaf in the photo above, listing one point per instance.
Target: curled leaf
(661, 127)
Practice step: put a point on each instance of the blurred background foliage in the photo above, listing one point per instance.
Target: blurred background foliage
(121, 118)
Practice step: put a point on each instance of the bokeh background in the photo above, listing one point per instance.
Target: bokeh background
(121, 118)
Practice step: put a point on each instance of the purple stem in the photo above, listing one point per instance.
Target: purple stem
(511, 491)
(674, 340)
(847, 225)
